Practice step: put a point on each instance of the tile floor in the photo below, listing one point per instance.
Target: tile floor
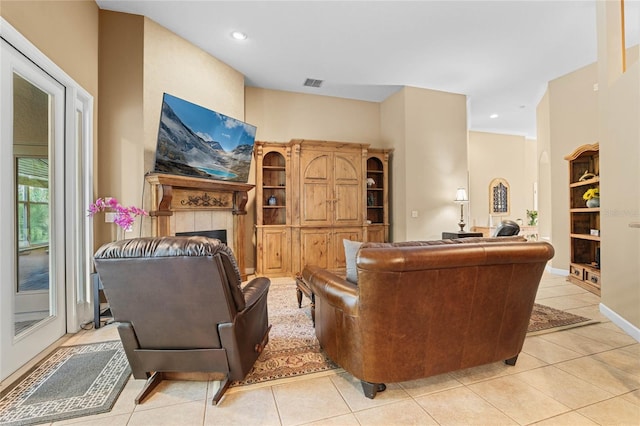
(582, 376)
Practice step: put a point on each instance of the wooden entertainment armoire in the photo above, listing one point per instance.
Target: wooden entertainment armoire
(310, 195)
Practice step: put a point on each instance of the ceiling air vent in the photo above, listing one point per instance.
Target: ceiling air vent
(311, 82)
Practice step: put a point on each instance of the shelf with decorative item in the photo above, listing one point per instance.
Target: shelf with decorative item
(593, 181)
(584, 212)
(586, 237)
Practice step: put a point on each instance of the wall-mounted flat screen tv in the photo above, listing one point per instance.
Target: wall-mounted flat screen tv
(196, 141)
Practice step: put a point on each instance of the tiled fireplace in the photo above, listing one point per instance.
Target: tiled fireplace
(185, 204)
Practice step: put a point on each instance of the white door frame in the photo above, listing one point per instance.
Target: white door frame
(78, 170)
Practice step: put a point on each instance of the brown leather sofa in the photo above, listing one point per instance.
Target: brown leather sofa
(425, 308)
(181, 308)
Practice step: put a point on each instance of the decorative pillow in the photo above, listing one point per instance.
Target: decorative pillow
(350, 252)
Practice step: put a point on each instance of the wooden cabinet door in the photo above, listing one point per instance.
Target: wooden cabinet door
(316, 194)
(337, 245)
(347, 188)
(273, 251)
(314, 245)
(376, 233)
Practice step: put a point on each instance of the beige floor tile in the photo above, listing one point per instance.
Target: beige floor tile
(102, 334)
(460, 406)
(622, 359)
(497, 369)
(616, 411)
(429, 385)
(344, 420)
(171, 392)
(126, 402)
(548, 351)
(555, 291)
(518, 400)
(568, 419)
(406, 412)
(633, 349)
(603, 334)
(612, 326)
(256, 407)
(111, 420)
(188, 413)
(573, 301)
(483, 372)
(308, 401)
(577, 343)
(564, 387)
(633, 397)
(604, 376)
(591, 312)
(351, 390)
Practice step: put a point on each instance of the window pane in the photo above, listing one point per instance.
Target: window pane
(23, 229)
(39, 195)
(39, 224)
(22, 193)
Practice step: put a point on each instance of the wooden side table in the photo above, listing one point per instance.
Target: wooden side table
(302, 287)
(454, 235)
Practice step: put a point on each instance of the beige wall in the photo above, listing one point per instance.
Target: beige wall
(393, 133)
(573, 121)
(619, 134)
(432, 143)
(140, 60)
(67, 33)
(281, 116)
(545, 188)
(509, 157)
(121, 113)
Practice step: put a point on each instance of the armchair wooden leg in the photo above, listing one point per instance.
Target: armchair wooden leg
(265, 339)
(149, 386)
(371, 389)
(223, 388)
(511, 361)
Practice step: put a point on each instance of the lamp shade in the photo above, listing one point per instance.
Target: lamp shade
(461, 195)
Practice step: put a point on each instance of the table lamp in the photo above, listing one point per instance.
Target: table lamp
(461, 197)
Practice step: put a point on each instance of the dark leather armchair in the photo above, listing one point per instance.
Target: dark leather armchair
(507, 228)
(181, 308)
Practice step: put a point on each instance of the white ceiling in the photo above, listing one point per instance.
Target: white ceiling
(501, 54)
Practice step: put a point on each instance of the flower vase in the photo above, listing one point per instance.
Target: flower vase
(593, 202)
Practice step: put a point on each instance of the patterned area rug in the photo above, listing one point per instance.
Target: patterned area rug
(545, 319)
(73, 381)
(293, 349)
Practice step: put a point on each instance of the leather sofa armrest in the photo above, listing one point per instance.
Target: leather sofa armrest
(338, 292)
(255, 289)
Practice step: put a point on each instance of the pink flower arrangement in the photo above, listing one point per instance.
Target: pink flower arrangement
(125, 216)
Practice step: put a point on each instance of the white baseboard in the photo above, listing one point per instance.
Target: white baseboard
(625, 325)
(557, 271)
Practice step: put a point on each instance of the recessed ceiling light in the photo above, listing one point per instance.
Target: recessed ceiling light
(493, 116)
(239, 35)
